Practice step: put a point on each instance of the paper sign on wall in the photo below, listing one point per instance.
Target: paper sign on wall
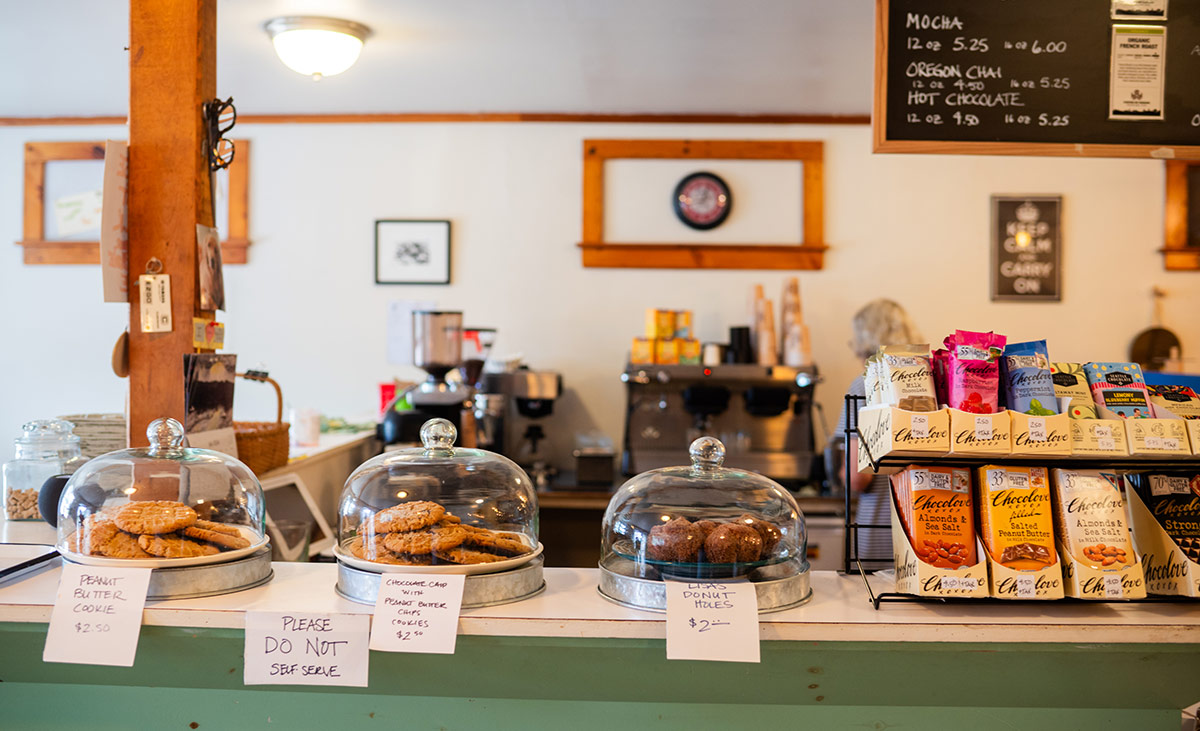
(114, 222)
(417, 613)
(78, 214)
(97, 615)
(1136, 78)
(293, 648)
(712, 621)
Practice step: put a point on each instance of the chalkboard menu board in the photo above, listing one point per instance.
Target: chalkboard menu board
(1048, 77)
(1026, 248)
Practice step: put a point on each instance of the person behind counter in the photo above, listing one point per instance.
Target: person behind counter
(880, 322)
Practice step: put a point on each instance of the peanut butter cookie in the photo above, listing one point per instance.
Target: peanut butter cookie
(104, 538)
(225, 528)
(154, 516)
(172, 545)
(224, 541)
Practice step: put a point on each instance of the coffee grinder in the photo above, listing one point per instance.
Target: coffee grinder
(437, 350)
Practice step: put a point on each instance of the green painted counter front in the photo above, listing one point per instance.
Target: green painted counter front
(188, 678)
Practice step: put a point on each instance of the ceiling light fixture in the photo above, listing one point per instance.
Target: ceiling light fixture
(316, 46)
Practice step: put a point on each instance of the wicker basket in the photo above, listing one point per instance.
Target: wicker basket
(263, 445)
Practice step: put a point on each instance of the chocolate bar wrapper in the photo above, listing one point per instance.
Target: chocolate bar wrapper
(1179, 400)
(909, 376)
(934, 504)
(973, 375)
(1072, 390)
(1016, 516)
(1120, 388)
(1174, 500)
(1090, 518)
(1028, 382)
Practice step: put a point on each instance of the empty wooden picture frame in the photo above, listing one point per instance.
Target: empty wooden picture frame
(41, 250)
(806, 254)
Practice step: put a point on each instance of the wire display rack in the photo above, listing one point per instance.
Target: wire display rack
(853, 563)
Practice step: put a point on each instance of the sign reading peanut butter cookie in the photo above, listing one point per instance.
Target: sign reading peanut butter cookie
(97, 615)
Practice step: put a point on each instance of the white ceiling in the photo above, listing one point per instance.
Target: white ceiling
(67, 57)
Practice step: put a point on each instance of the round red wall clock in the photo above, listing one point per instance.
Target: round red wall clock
(702, 200)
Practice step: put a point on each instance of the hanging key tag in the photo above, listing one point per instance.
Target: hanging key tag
(154, 288)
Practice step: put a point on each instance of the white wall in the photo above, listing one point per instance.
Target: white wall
(914, 228)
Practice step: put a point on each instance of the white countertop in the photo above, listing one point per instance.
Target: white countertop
(572, 607)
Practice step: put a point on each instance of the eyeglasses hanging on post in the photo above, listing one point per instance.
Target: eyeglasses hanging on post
(219, 118)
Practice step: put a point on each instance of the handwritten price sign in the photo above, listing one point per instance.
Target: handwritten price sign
(97, 615)
(417, 613)
(712, 621)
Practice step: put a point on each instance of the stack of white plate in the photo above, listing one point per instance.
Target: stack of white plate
(98, 433)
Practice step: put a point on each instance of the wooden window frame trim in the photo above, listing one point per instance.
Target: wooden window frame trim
(38, 250)
(808, 254)
(1178, 255)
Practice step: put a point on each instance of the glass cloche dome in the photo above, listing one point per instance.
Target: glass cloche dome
(450, 509)
(162, 505)
(703, 522)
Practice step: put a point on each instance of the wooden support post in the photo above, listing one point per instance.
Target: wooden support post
(172, 72)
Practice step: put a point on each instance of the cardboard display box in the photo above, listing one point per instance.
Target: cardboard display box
(1041, 436)
(1006, 583)
(1110, 584)
(985, 435)
(1099, 438)
(888, 431)
(914, 576)
(1166, 568)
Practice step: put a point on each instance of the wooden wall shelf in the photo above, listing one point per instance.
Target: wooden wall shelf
(702, 256)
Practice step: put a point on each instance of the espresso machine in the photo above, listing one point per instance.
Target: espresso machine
(763, 415)
(510, 412)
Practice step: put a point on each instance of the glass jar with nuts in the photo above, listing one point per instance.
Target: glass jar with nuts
(47, 447)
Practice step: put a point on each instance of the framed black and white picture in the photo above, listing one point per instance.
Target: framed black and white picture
(1026, 248)
(412, 252)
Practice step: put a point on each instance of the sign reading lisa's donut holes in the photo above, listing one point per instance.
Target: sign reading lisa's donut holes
(1027, 248)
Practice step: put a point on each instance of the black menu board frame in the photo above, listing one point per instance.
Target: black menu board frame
(1082, 27)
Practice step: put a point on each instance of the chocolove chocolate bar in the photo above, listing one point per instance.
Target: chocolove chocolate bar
(1028, 383)
(1015, 516)
(909, 377)
(1090, 518)
(935, 509)
(973, 371)
(1174, 501)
